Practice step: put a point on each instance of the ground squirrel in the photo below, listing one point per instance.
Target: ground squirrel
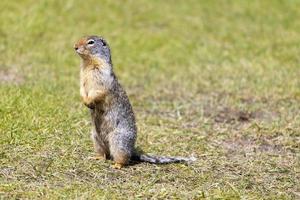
(114, 129)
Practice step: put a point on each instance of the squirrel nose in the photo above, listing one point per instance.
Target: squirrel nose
(79, 50)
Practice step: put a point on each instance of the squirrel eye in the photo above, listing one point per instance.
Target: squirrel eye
(91, 42)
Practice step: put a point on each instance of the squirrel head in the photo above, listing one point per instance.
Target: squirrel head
(91, 47)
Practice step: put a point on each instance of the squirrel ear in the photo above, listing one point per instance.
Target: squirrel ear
(104, 43)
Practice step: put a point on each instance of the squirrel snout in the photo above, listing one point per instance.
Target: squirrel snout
(79, 50)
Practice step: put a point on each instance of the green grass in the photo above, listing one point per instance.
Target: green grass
(216, 79)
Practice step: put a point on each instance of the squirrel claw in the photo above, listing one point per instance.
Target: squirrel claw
(117, 166)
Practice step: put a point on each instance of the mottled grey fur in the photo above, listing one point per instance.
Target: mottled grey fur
(113, 120)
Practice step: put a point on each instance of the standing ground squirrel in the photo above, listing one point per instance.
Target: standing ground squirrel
(114, 129)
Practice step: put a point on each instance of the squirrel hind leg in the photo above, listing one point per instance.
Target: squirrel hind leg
(102, 151)
(121, 148)
(119, 155)
(121, 158)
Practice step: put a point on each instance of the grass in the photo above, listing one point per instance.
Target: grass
(214, 79)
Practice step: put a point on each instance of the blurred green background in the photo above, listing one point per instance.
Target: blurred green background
(216, 79)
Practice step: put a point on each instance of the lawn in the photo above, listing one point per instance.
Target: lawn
(218, 80)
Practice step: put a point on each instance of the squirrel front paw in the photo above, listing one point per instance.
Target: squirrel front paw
(88, 103)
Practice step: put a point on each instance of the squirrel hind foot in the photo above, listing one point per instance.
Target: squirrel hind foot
(117, 166)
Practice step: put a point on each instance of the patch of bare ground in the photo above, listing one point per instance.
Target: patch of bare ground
(230, 115)
(248, 145)
(188, 111)
(220, 110)
(11, 76)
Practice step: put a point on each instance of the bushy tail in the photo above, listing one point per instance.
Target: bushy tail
(161, 159)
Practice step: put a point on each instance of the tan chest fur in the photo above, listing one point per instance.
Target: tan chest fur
(87, 81)
(88, 78)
